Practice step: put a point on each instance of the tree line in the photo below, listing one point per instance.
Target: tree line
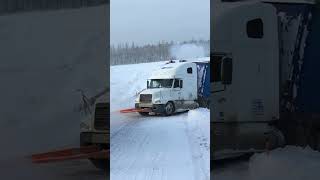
(130, 53)
(14, 6)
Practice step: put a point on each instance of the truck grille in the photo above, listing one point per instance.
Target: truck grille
(145, 98)
(102, 116)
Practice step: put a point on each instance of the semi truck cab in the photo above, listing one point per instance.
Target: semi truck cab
(172, 88)
(263, 60)
(95, 127)
(245, 79)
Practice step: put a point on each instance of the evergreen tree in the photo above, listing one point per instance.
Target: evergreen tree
(124, 53)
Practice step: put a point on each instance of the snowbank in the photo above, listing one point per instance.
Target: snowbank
(126, 81)
(198, 123)
(289, 163)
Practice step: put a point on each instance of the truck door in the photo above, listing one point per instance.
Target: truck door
(244, 75)
(177, 89)
(220, 82)
(224, 133)
(177, 94)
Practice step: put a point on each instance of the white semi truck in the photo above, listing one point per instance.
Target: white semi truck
(265, 77)
(95, 128)
(94, 135)
(178, 86)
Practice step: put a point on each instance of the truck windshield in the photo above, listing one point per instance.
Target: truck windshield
(160, 83)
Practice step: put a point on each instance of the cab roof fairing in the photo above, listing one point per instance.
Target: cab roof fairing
(172, 70)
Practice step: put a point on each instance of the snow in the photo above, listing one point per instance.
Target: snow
(199, 134)
(45, 58)
(126, 81)
(292, 163)
(187, 51)
(289, 163)
(154, 147)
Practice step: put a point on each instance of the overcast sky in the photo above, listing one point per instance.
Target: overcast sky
(150, 21)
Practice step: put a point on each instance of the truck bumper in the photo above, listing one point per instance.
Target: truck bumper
(93, 138)
(156, 108)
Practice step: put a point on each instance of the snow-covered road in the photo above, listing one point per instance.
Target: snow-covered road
(154, 147)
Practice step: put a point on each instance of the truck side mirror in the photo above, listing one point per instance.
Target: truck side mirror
(227, 71)
(180, 84)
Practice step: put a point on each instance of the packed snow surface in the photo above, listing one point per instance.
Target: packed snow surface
(154, 147)
(289, 163)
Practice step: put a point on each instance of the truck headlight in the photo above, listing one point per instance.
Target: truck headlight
(137, 99)
(157, 101)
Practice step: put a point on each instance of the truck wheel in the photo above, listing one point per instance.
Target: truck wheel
(102, 164)
(169, 109)
(144, 113)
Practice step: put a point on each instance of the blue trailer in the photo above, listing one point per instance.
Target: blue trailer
(299, 94)
(203, 69)
(308, 95)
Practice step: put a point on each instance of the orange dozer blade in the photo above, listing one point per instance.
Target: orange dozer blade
(70, 154)
(135, 110)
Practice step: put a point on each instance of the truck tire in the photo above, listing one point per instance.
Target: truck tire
(144, 113)
(277, 137)
(169, 108)
(102, 164)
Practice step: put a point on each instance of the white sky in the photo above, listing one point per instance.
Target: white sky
(150, 21)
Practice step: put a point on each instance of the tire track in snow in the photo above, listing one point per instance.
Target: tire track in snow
(153, 148)
(126, 133)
